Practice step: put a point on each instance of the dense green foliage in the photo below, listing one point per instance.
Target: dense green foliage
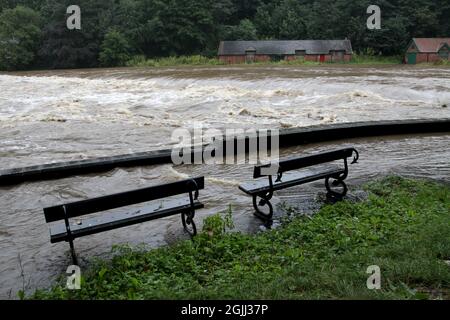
(402, 227)
(161, 28)
(19, 37)
(115, 50)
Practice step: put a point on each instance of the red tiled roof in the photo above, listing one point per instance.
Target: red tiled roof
(430, 44)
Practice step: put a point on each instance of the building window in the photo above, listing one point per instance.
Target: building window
(338, 55)
(443, 54)
(300, 54)
(250, 55)
(276, 57)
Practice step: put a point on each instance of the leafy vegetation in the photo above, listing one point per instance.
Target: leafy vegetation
(373, 59)
(402, 227)
(197, 60)
(156, 28)
(115, 50)
(20, 33)
(141, 61)
(442, 63)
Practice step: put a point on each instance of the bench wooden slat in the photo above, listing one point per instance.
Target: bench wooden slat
(107, 222)
(290, 179)
(287, 172)
(84, 207)
(306, 161)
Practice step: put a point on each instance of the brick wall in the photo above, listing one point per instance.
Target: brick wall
(266, 58)
(232, 59)
(262, 58)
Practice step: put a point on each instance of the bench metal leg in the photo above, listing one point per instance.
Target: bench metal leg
(265, 200)
(335, 195)
(72, 252)
(188, 223)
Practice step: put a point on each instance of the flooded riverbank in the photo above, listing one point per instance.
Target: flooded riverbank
(66, 115)
(23, 230)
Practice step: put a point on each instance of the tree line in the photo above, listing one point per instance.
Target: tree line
(33, 33)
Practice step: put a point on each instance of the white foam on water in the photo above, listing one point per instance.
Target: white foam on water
(131, 108)
(222, 181)
(177, 174)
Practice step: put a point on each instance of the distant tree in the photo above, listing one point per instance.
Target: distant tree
(390, 39)
(264, 22)
(443, 14)
(64, 48)
(244, 31)
(127, 18)
(246, 9)
(115, 50)
(289, 19)
(19, 37)
(182, 27)
(224, 12)
(424, 23)
(10, 4)
(175, 27)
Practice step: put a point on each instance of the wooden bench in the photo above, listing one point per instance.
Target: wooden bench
(286, 177)
(74, 227)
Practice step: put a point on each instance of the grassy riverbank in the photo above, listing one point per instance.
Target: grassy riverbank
(141, 61)
(374, 60)
(403, 227)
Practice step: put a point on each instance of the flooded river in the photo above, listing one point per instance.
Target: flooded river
(61, 115)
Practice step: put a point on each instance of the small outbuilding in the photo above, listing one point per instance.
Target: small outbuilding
(427, 50)
(275, 50)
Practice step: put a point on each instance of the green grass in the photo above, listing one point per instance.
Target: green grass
(197, 60)
(440, 63)
(358, 59)
(403, 227)
(374, 59)
(141, 61)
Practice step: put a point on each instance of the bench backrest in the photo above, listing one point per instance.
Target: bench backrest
(307, 161)
(84, 207)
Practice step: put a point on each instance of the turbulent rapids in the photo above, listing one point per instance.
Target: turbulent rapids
(68, 115)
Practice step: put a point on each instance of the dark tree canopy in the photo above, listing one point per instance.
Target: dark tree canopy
(157, 28)
(115, 50)
(20, 34)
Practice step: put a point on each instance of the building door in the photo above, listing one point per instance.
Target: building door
(276, 57)
(443, 54)
(322, 58)
(411, 58)
(250, 55)
(300, 54)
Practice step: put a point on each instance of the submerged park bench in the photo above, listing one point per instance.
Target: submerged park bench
(76, 228)
(286, 177)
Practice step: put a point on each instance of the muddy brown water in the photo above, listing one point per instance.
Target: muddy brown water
(65, 115)
(76, 114)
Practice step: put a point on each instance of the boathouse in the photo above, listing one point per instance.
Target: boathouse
(427, 50)
(275, 50)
